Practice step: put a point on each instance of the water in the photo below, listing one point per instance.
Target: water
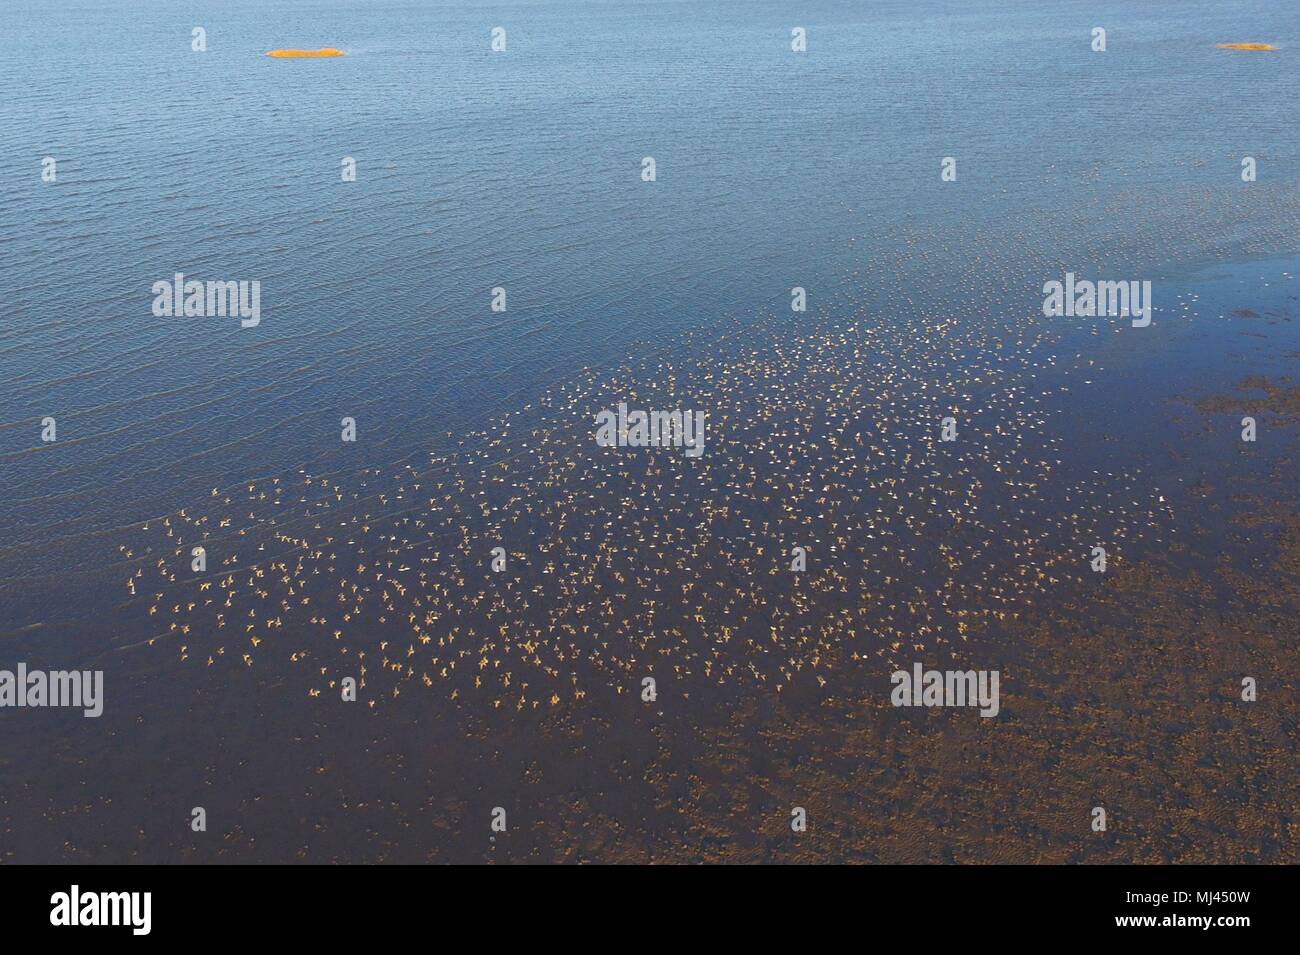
(522, 170)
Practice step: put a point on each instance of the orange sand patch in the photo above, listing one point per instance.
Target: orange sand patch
(324, 51)
(1245, 46)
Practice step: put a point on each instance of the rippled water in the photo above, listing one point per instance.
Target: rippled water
(522, 170)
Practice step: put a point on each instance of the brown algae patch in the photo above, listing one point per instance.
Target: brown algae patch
(1266, 47)
(1280, 398)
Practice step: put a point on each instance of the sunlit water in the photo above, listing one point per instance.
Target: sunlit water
(522, 170)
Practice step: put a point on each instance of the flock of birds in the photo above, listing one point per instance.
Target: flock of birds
(622, 563)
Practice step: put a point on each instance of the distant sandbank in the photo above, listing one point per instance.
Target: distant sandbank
(324, 51)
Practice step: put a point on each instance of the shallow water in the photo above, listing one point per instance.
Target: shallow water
(522, 170)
